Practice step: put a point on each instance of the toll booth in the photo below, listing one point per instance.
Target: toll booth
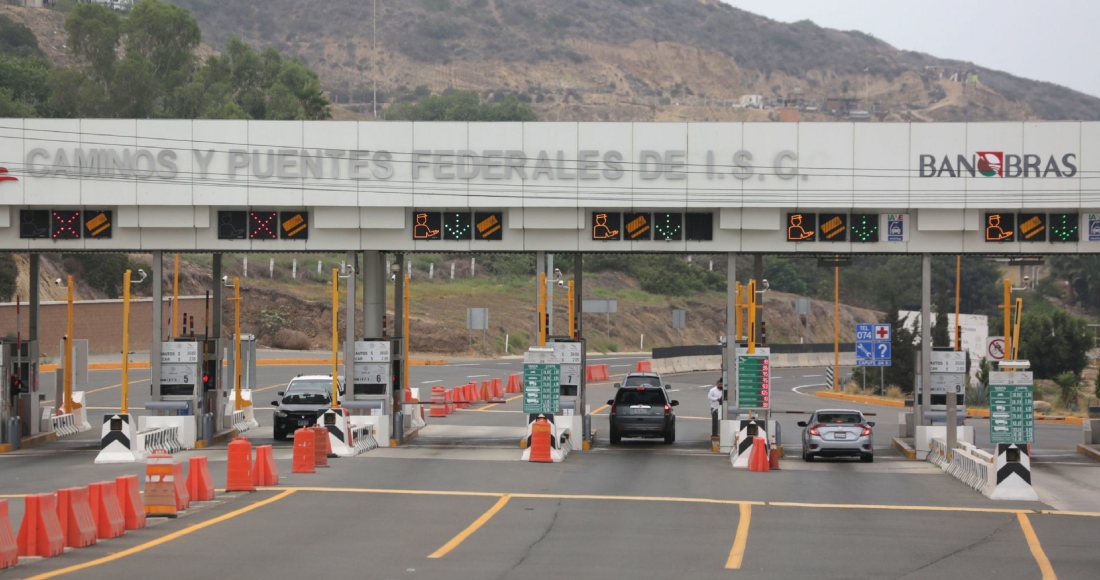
(179, 394)
(19, 392)
(574, 411)
(376, 372)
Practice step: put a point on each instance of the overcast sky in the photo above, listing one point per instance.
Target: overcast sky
(1048, 40)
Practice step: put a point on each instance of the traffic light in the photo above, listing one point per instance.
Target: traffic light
(16, 384)
(763, 333)
(210, 375)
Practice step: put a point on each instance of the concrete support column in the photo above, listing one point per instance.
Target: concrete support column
(728, 364)
(34, 279)
(158, 324)
(216, 326)
(219, 395)
(925, 335)
(374, 293)
(550, 295)
(349, 317)
(398, 332)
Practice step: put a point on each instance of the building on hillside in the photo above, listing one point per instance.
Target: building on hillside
(752, 101)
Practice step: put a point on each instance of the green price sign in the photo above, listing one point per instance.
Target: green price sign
(753, 381)
(1011, 407)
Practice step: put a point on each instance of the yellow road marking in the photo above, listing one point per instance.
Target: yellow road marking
(600, 409)
(163, 539)
(107, 388)
(737, 552)
(487, 407)
(1036, 548)
(269, 387)
(461, 537)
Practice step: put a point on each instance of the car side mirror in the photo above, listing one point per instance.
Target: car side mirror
(618, 385)
(801, 423)
(870, 423)
(274, 403)
(674, 403)
(611, 401)
(668, 386)
(280, 393)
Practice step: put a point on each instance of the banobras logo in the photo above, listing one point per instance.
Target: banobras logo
(998, 164)
(5, 177)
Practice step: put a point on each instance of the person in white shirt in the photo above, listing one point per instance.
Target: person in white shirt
(715, 396)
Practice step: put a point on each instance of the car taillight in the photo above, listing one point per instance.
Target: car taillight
(614, 408)
(866, 430)
(814, 431)
(667, 409)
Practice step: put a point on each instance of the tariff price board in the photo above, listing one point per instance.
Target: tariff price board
(541, 381)
(371, 351)
(179, 352)
(1011, 407)
(571, 362)
(753, 379)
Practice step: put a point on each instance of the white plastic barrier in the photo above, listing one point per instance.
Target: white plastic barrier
(182, 430)
(970, 465)
(119, 441)
(64, 425)
(348, 435)
(248, 418)
(937, 453)
(159, 438)
(80, 413)
(240, 420)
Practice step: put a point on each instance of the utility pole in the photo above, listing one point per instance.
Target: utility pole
(374, 55)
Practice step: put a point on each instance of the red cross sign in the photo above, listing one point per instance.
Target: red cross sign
(882, 332)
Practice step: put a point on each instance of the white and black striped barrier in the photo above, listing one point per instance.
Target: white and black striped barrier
(1013, 476)
(347, 437)
(1005, 476)
(64, 425)
(119, 442)
(749, 429)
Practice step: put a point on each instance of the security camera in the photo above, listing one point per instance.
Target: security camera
(57, 281)
(225, 279)
(1027, 279)
(561, 282)
(765, 281)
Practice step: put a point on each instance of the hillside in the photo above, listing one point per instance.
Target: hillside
(626, 60)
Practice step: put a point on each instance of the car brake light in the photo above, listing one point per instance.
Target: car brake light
(667, 409)
(866, 430)
(614, 408)
(814, 431)
(641, 388)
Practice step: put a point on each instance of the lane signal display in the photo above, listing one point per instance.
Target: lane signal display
(637, 226)
(490, 225)
(668, 227)
(699, 227)
(833, 227)
(65, 225)
(1033, 227)
(865, 227)
(606, 226)
(34, 224)
(457, 226)
(1065, 227)
(801, 227)
(261, 225)
(232, 225)
(97, 224)
(1000, 227)
(294, 225)
(427, 225)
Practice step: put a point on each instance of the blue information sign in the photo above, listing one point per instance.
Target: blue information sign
(873, 345)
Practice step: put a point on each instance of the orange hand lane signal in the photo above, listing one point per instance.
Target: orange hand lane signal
(422, 229)
(602, 229)
(801, 227)
(999, 227)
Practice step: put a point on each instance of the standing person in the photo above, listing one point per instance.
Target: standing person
(715, 396)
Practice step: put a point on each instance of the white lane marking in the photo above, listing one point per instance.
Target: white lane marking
(673, 390)
(506, 363)
(464, 365)
(617, 366)
(475, 376)
(430, 382)
(811, 376)
(616, 358)
(795, 389)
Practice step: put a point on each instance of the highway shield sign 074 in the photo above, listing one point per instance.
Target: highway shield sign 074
(1011, 407)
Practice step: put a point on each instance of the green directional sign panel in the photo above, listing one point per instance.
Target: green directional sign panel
(753, 380)
(541, 381)
(1011, 407)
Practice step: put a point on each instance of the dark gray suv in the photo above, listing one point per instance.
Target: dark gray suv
(644, 411)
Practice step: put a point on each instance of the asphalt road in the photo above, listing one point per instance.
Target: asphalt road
(458, 504)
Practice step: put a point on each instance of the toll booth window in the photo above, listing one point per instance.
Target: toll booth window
(369, 389)
(668, 227)
(489, 225)
(34, 224)
(1033, 227)
(294, 225)
(97, 224)
(1000, 227)
(699, 227)
(638, 226)
(427, 225)
(801, 227)
(606, 226)
(457, 226)
(232, 225)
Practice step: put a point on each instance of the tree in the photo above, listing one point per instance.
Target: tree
(459, 105)
(1054, 342)
(16, 40)
(166, 36)
(940, 334)
(94, 32)
(8, 273)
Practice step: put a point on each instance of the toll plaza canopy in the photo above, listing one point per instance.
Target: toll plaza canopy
(234, 186)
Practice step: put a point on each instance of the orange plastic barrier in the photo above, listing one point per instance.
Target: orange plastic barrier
(605, 375)
(200, 486)
(449, 398)
(540, 441)
(40, 534)
(160, 490)
(109, 521)
(439, 402)
(513, 384)
(129, 497)
(497, 389)
(239, 467)
(304, 442)
(644, 366)
(183, 498)
(320, 449)
(265, 472)
(9, 548)
(773, 457)
(75, 515)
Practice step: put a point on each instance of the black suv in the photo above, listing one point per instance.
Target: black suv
(644, 411)
(303, 401)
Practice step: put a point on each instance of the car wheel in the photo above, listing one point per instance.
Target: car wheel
(868, 458)
(280, 435)
(670, 435)
(615, 437)
(807, 457)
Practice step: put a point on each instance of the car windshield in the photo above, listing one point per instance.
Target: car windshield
(651, 397)
(639, 381)
(838, 418)
(306, 396)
